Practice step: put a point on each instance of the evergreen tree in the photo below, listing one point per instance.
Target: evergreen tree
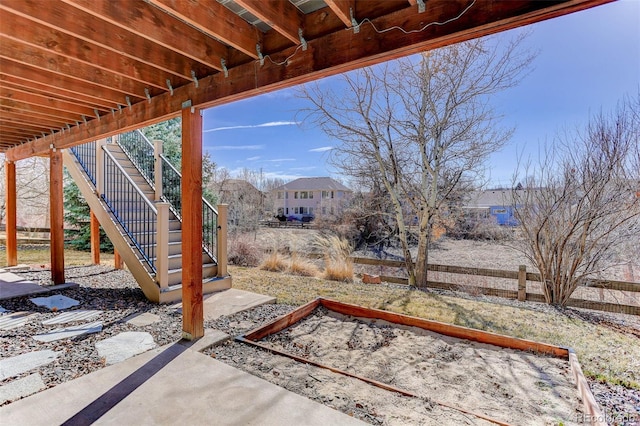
(77, 215)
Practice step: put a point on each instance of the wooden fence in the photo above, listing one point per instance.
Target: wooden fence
(602, 295)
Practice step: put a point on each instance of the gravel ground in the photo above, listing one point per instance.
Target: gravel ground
(116, 293)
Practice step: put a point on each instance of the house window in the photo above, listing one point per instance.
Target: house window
(280, 196)
(304, 195)
(327, 194)
(311, 194)
(310, 210)
(287, 210)
(295, 195)
(295, 210)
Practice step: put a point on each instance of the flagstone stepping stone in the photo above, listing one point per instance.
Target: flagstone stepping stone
(68, 332)
(141, 320)
(124, 346)
(15, 320)
(55, 302)
(22, 387)
(72, 316)
(19, 364)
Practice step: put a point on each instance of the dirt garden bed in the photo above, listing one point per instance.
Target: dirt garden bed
(415, 375)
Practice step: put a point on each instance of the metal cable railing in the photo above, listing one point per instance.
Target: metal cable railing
(86, 156)
(131, 208)
(140, 151)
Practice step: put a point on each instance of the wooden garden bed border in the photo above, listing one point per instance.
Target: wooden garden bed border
(592, 410)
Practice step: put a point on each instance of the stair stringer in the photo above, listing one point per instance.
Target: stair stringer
(145, 280)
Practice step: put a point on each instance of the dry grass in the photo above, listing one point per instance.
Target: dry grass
(603, 352)
(275, 262)
(42, 257)
(244, 250)
(338, 265)
(303, 267)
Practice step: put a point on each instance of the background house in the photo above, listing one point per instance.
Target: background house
(317, 196)
(492, 203)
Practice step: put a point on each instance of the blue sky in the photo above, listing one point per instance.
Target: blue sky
(587, 62)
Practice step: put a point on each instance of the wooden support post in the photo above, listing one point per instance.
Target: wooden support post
(117, 260)
(56, 204)
(192, 303)
(221, 239)
(157, 152)
(162, 245)
(95, 238)
(11, 213)
(522, 283)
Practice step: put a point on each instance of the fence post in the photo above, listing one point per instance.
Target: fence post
(162, 245)
(157, 151)
(522, 283)
(221, 240)
(100, 143)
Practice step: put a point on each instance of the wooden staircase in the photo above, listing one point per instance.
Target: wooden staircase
(146, 233)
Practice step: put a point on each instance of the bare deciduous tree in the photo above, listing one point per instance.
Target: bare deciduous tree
(423, 125)
(32, 186)
(582, 202)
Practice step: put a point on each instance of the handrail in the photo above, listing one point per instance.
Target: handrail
(86, 156)
(137, 188)
(141, 155)
(131, 208)
(171, 181)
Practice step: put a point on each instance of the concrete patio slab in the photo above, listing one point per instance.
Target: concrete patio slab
(12, 285)
(22, 387)
(124, 345)
(171, 385)
(231, 301)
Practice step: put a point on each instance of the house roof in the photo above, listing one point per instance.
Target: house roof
(74, 71)
(230, 185)
(313, 184)
(490, 198)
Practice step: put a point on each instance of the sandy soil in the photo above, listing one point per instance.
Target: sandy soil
(511, 386)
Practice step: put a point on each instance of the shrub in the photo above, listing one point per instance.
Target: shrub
(302, 267)
(274, 262)
(337, 260)
(244, 251)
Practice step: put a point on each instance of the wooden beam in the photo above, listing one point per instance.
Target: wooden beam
(78, 89)
(192, 303)
(77, 23)
(343, 9)
(23, 117)
(154, 24)
(52, 113)
(322, 59)
(216, 20)
(10, 213)
(95, 238)
(17, 83)
(36, 57)
(56, 216)
(282, 16)
(56, 43)
(44, 101)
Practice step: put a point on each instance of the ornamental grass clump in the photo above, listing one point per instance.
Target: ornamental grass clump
(338, 265)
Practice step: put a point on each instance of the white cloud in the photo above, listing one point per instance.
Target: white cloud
(253, 126)
(321, 149)
(235, 147)
(279, 160)
(257, 157)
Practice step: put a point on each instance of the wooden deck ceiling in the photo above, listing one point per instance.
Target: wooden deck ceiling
(72, 71)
